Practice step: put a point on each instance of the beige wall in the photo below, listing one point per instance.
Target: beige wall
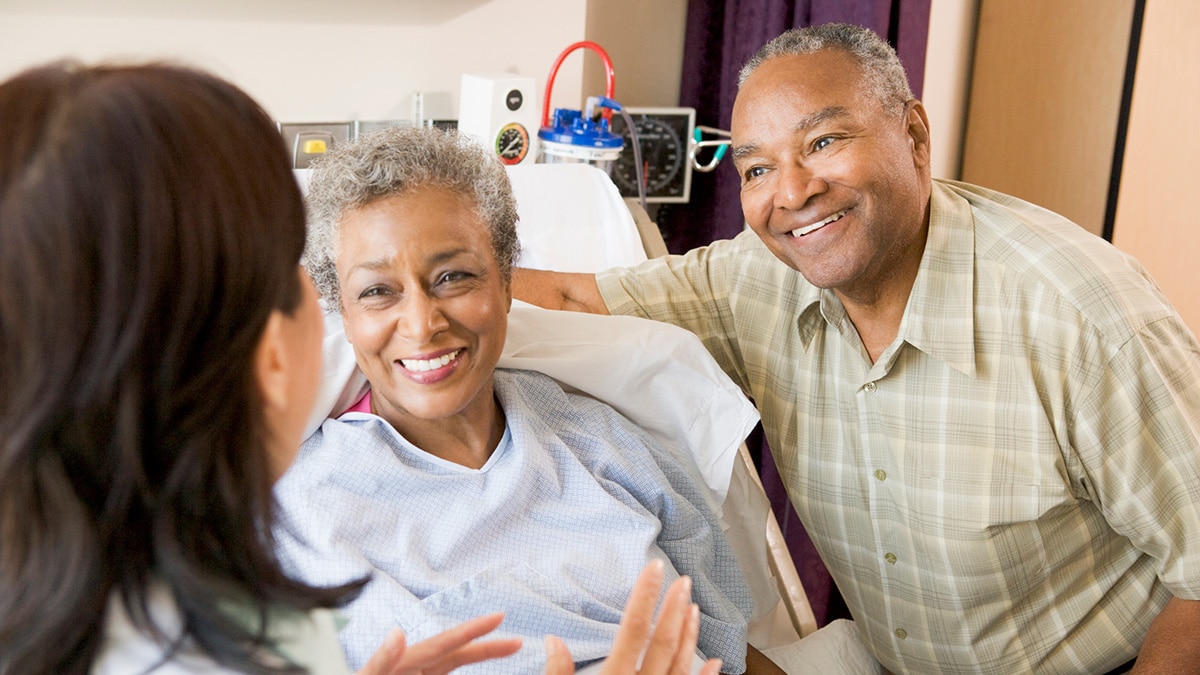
(313, 60)
(1160, 185)
(1044, 102)
(644, 39)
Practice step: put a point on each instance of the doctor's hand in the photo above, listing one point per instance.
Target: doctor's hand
(669, 645)
(443, 652)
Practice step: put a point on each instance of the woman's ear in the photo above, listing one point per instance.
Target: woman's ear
(270, 367)
(271, 371)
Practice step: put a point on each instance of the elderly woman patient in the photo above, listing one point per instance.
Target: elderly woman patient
(461, 488)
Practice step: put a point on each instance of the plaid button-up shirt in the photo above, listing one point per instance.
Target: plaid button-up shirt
(1014, 485)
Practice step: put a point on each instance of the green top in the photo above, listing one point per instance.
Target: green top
(309, 641)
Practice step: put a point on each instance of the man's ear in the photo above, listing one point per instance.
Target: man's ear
(270, 365)
(917, 127)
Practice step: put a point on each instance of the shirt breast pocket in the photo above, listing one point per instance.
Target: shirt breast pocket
(995, 533)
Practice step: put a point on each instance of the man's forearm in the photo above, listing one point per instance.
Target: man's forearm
(576, 292)
(1173, 643)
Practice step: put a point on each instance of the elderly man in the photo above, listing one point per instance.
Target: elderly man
(986, 417)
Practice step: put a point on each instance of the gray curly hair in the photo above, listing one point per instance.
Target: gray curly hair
(394, 162)
(881, 67)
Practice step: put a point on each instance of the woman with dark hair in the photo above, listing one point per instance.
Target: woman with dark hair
(162, 348)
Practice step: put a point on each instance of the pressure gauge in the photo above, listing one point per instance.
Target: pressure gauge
(512, 143)
(663, 135)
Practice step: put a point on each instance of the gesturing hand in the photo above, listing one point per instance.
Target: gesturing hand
(443, 652)
(669, 645)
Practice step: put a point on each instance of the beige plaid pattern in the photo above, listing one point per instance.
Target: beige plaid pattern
(1014, 485)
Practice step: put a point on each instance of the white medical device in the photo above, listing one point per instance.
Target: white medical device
(501, 110)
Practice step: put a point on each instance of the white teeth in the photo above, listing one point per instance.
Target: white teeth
(422, 365)
(816, 226)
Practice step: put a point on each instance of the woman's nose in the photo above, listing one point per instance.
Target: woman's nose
(422, 318)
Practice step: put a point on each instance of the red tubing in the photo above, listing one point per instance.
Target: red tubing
(609, 76)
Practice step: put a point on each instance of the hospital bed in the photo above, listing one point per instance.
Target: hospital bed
(572, 218)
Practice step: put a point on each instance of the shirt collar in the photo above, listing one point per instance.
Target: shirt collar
(939, 317)
(814, 305)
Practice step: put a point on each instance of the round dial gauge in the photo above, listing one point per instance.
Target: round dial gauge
(512, 143)
(663, 154)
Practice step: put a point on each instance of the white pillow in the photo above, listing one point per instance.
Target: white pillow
(656, 374)
(572, 219)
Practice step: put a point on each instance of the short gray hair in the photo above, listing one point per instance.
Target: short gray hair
(881, 67)
(394, 162)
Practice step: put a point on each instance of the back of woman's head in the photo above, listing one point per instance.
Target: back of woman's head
(149, 225)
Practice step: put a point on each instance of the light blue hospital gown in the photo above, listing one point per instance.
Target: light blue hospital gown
(553, 530)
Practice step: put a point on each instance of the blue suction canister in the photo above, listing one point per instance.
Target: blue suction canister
(575, 138)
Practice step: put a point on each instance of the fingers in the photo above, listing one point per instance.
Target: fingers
(687, 642)
(558, 659)
(476, 652)
(672, 641)
(428, 652)
(666, 644)
(443, 652)
(687, 648)
(388, 654)
(637, 620)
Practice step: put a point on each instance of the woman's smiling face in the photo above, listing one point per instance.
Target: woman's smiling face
(423, 304)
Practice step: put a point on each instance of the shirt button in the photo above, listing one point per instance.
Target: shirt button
(901, 633)
(891, 558)
(870, 387)
(880, 474)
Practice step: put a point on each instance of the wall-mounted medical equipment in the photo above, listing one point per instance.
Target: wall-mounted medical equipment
(501, 110)
(664, 138)
(649, 153)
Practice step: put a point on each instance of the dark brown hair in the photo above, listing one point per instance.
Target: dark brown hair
(149, 225)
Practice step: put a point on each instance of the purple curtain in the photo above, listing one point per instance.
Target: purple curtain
(721, 36)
